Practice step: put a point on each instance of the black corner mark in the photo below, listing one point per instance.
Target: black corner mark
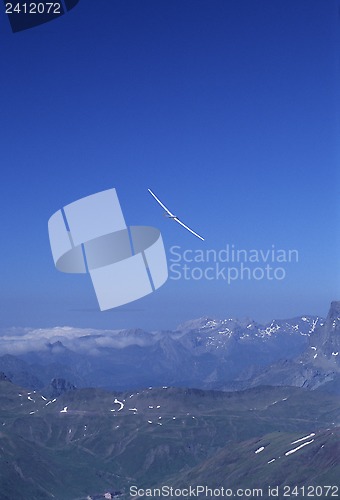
(27, 14)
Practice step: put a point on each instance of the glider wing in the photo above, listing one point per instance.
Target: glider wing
(188, 228)
(161, 204)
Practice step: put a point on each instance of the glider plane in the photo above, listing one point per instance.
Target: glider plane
(174, 217)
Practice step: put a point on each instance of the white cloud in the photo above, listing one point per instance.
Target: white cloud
(81, 340)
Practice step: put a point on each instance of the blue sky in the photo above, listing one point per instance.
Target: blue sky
(228, 110)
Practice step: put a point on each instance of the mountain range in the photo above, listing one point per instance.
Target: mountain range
(227, 354)
(222, 403)
(317, 367)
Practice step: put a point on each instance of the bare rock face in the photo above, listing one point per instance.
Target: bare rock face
(58, 386)
(330, 334)
(4, 377)
(324, 348)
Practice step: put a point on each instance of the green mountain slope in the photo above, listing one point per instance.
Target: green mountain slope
(90, 441)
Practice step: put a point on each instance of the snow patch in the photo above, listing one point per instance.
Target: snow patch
(119, 403)
(304, 438)
(298, 448)
(314, 323)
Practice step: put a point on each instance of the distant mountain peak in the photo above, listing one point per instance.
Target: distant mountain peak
(58, 386)
(198, 324)
(56, 347)
(327, 334)
(334, 311)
